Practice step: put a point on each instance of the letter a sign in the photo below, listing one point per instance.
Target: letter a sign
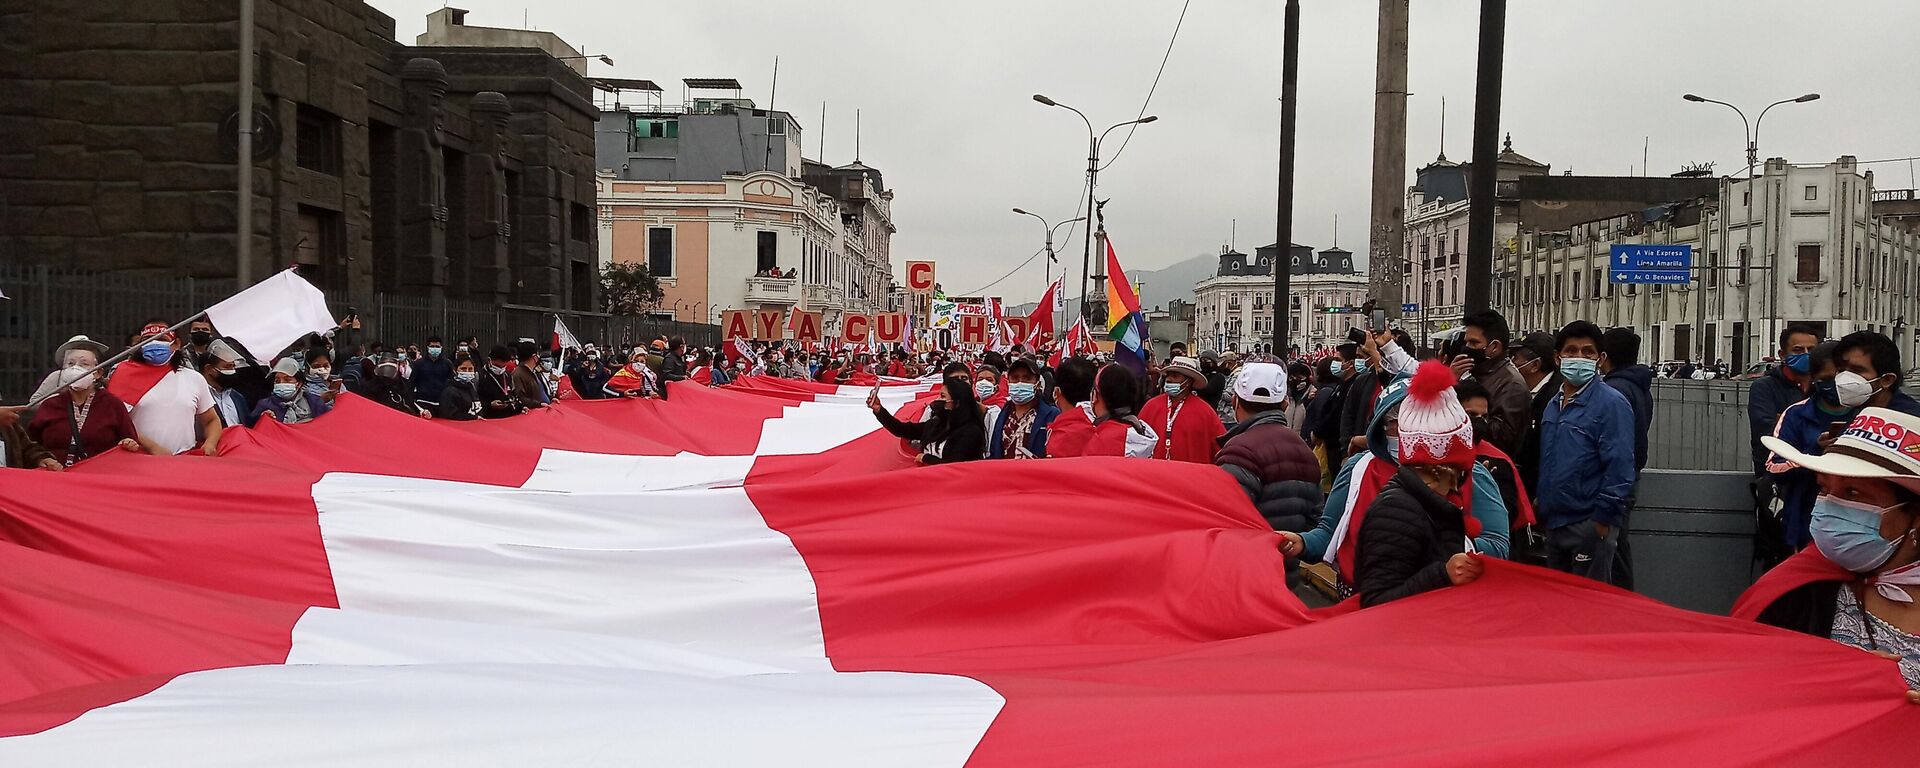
(738, 324)
(920, 276)
(806, 326)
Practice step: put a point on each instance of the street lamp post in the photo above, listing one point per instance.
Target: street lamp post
(1093, 178)
(1050, 259)
(1751, 132)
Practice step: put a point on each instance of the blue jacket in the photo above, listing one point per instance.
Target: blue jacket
(1767, 397)
(1800, 426)
(1586, 458)
(1488, 507)
(1904, 403)
(1044, 414)
(1635, 383)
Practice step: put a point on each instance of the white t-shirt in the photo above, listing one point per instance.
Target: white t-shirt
(169, 413)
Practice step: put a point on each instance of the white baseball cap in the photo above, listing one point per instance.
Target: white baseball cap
(1261, 383)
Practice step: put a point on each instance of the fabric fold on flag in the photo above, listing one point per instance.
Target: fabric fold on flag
(1127, 326)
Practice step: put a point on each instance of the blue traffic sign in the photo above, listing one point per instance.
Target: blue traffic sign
(1409, 307)
(1656, 264)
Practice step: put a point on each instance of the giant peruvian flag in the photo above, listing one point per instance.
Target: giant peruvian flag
(713, 580)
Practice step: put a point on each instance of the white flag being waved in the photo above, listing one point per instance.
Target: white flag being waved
(563, 337)
(272, 315)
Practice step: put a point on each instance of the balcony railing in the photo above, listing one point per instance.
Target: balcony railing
(825, 295)
(773, 290)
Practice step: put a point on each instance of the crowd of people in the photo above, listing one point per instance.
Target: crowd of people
(1385, 469)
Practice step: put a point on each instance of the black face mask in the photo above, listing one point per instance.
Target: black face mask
(1481, 430)
(200, 338)
(1478, 356)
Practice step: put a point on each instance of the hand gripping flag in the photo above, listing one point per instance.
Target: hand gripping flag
(1127, 326)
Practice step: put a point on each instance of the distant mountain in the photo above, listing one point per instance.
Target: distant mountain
(1163, 285)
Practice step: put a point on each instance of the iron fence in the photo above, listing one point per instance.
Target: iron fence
(49, 305)
(1699, 425)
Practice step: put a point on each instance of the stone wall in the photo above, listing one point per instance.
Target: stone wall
(113, 157)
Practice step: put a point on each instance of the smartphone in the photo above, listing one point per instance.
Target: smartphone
(1357, 335)
(1378, 320)
(1837, 427)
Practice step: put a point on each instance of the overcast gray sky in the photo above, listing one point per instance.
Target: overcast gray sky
(945, 91)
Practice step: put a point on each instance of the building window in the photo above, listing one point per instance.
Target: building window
(317, 140)
(1575, 289)
(1744, 258)
(776, 126)
(660, 251)
(1713, 272)
(1807, 256)
(767, 251)
(1746, 199)
(1812, 192)
(1599, 280)
(582, 223)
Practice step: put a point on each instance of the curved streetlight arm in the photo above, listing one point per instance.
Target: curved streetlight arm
(1746, 128)
(1763, 113)
(1056, 227)
(1111, 129)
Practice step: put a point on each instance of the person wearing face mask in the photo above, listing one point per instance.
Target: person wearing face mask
(228, 402)
(318, 379)
(590, 375)
(830, 370)
(1412, 538)
(81, 419)
(1586, 460)
(1326, 430)
(1299, 391)
(1361, 479)
(389, 389)
(172, 406)
(289, 403)
(199, 335)
(1215, 389)
(1486, 343)
(1534, 359)
(1189, 429)
(78, 351)
(1781, 386)
(1859, 584)
(986, 386)
(1266, 455)
(1808, 426)
(1873, 359)
(956, 432)
(432, 372)
(1019, 430)
(1229, 366)
(497, 395)
(1478, 403)
(529, 387)
(460, 401)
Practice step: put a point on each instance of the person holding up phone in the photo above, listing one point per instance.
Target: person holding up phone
(1810, 427)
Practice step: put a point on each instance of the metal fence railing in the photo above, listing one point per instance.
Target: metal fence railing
(1700, 425)
(49, 305)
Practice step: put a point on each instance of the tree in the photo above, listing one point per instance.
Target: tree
(629, 289)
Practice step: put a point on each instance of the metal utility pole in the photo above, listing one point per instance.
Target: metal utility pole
(1486, 156)
(1386, 241)
(243, 212)
(1093, 178)
(1050, 229)
(1283, 218)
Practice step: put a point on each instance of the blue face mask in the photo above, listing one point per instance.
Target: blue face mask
(156, 352)
(285, 391)
(1172, 388)
(1337, 367)
(1020, 392)
(1826, 394)
(433, 351)
(1359, 367)
(1848, 534)
(1393, 448)
(983, 389)
(1579, 370)
(1800, 363)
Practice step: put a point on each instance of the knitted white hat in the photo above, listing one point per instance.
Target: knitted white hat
(1434, 429)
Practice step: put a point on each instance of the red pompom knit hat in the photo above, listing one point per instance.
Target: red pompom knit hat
(1434, 429)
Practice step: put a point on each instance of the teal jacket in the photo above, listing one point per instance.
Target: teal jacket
(1488, 507)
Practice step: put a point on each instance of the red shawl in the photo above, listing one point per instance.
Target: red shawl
(132, 380)
(702, 375)
(1372, 476)
(1068, 435)
(1195, 433)
(1525, 512)
(1807, 567)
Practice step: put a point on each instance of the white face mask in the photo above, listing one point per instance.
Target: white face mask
(1855, 390)
(76, 378)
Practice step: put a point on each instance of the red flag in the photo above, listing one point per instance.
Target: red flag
(1040, 320)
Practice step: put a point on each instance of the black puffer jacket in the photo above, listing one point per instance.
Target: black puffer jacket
(1405, 541)
(1276, 469)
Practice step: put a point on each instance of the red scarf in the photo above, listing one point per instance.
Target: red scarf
(132, 380)
(702, 375)
(1523, 515)
(1807, 567)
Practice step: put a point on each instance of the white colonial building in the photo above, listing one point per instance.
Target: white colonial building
(1233, 310)
(1436, 235)
(1796, 244)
